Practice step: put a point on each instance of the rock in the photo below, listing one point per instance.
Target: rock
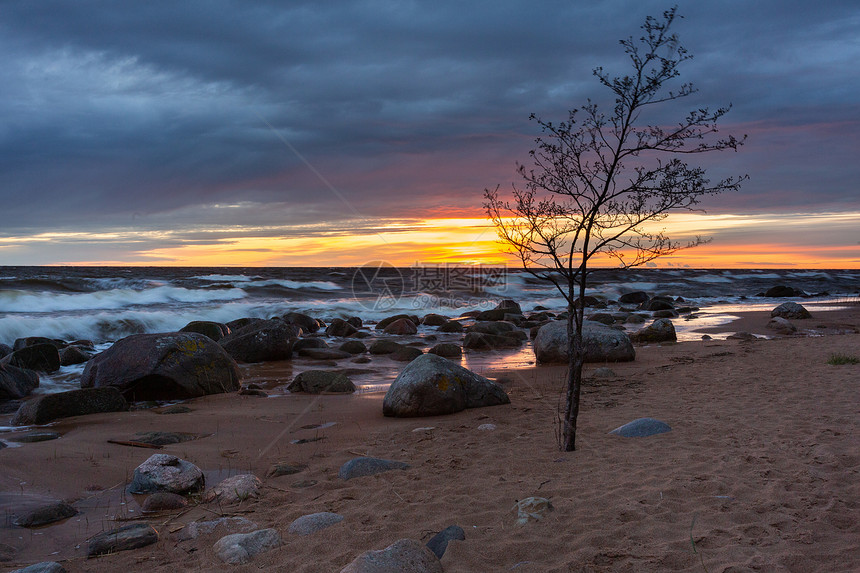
(163, 367)
(235, 325)
(401, 326)
(601, 343)
(431, 385)
(439, 543)
(197, 528)
(16, 382)
(72, 354)
(33, 437)
(43, 567)
(364, 466)
(661, 330)
(451, 326)
(637, 297)
(122, 539)
(285, 469)
(782, 291)
(635, 319)
(49, 407)
(386, 321)
(665, 314)
(163, 438)
(781, 325)
(433, 319)
(531, 509)
(240, 548)
(353, 347)
(505, 307)
(40, 357)
(447, 350)
(487, 427)
(318, 381)
(340, 327)
(324, 353)
(746, 336)
(261, 341)
(163, 501)
(5, 350)
(482, 341)
(403, 556)
(35, 340)
(175, 409)
(236, 489)
(406, 354)
(307, 524)
(45, 514)
(602, 318)
(164, 472)
(355, 321)
(495, 328)
(305, 322)
(658, 304)
(303, 343)
(791, 310)
(384, 347)
(214, 330)
(641, 428)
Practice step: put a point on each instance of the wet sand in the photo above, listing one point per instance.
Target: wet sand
(759, 472)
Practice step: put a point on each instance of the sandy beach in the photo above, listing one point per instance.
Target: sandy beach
(759, 472)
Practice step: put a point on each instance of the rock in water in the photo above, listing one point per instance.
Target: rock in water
(164, 472)
(214, 330)
(49, 407)
(403, 556)
(122, 539)
(262, 340)
(40, 357)
(661, 330)
(431, 385)
(790, 310)
(641, 428)
(240, 548)
(163, 367)
(46, 514)
(602, 343)
(307, 524)
(16, 382)
(364, 466)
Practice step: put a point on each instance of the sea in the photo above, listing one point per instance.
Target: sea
(104, 304)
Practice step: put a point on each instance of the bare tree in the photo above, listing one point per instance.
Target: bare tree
(600, 182)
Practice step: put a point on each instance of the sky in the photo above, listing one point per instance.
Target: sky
(336, 133)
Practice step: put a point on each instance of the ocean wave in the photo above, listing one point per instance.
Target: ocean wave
(294, 285)
(224, 278)
(29, 302)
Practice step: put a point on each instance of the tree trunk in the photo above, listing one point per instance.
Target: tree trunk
(575, 360)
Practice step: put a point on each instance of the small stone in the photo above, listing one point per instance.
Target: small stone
(163, 501)
(163, 438)
(487, 427)
(46, 514)
(364, 466)
(403, 556)
(531, 509)
(175, 409)
(197, 528)
(641, 428)
(240, 548)
(284, 469)
(122, 539)
(307, 524)
(604, 372)
(304, 483)
(439, 543)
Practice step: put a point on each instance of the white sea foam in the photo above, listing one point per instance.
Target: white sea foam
(318, 285)
(28, 302)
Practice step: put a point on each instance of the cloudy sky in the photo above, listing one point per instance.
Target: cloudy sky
(325, 133)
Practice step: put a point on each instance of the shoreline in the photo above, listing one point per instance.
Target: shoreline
(762, 457)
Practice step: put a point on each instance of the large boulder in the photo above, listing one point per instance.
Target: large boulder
(602, 343)
(49, 407)
(790, 310)
(43, 357)
(261, 341)
(431, 385)
(164, 472)
(661, 330)
(214, 330)
(16, 382)
(169, 366)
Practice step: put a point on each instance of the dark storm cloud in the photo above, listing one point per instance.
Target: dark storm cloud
(132, 114)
